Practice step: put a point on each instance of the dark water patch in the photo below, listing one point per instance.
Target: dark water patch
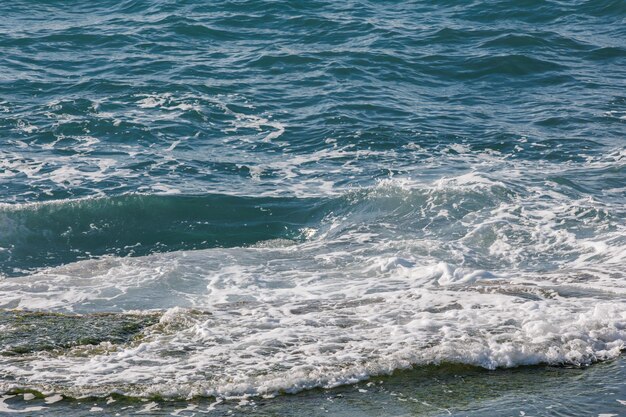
(69, 39)
(507, 65)
(536, 42)
(527, 11)
(609, 8)
(456, 35)
(195, 30)
(608, 53)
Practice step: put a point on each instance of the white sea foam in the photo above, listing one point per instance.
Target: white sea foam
(355, 299)
(485, 267)
(269, 328)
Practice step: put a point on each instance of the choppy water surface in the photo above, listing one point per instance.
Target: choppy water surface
(205, 206)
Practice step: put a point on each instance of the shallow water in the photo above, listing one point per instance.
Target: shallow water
(250, 199)
(446, 390)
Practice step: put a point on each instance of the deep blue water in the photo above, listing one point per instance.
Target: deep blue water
(252, 198)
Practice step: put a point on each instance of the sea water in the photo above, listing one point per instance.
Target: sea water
(286, 207)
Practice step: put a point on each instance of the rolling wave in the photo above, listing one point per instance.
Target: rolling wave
(59, 232)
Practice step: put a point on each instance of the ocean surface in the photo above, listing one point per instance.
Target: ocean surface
(271, 207)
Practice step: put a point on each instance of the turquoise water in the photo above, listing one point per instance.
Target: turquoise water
(265, 206)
